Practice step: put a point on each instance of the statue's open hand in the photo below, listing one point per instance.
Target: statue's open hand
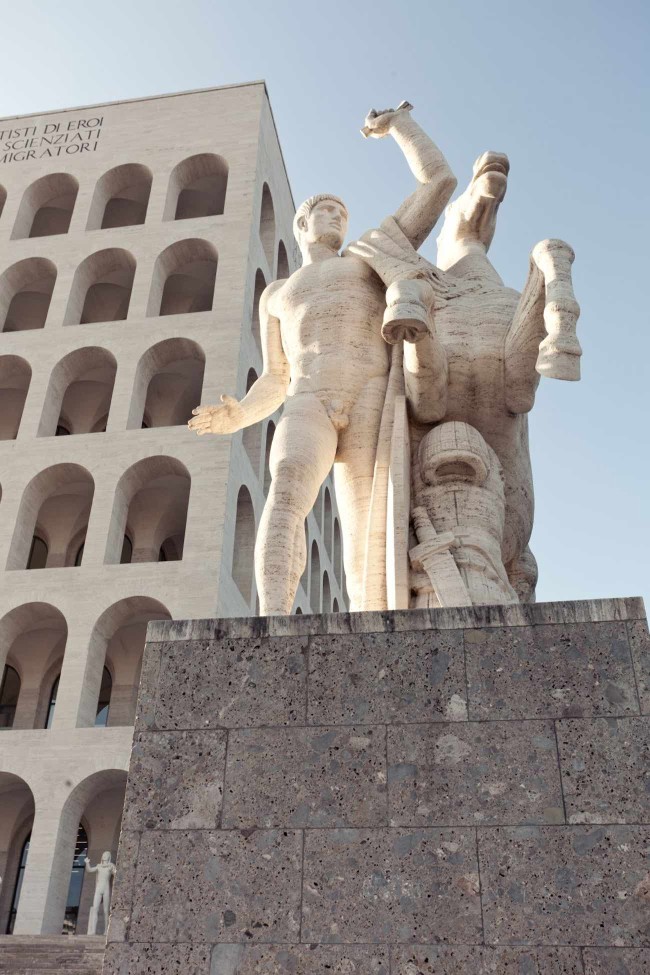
(226, 418)
(379, 121)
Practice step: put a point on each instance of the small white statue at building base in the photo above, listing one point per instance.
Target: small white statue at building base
(105, 871)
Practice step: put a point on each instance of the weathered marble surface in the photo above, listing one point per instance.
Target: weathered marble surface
(550, 671)
(390, 885)
(473, 774)
(397, 677)
(191, 764)
(306, 777)
(330, 818)
(605, 766)
(575, 884)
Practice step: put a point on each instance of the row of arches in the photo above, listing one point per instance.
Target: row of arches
(88, 824)
(148, 520)
(183, 282)
(315, 580)
(196, 187)
(34, 640)
(167, 386)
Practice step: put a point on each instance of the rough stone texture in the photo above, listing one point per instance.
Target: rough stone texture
(550, 671)
(210, 885)
(416, 676)
(640, 646)
(234, 959)
(123, 892)
(306, 777)
(616, 961)
(472, 774)
(464, 959)
(231, 684)
(586, 885)
(606, 769)
(190, 767)
(357, 810)
(390, 885)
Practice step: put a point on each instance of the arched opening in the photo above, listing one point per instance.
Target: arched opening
(16, 819)
(184, 278)
(115, 660)
(168, 384)
(318, 510)
(101, 289)
(15, 377)
(327, 522)
(75, 886)
(252, 436)
(243, 558)
(260, 285)
(283, 262)
(304, 578)
(79, 393)
(25, 294)
(335, 605)
(267, 225)
(121, 198)
(9, 694)
(55, 509)
(46, 207)
(51, 703)
(327, 594)
(197, 188)
(89, 826)
(338, 552)
(150, 507)
(315, 579)
(32, 640)
(270, 432)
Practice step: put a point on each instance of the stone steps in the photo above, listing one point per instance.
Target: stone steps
(42, 955)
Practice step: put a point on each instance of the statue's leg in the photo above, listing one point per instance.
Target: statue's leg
(522, 573)
(353, 479)
(105, 913)
(303, 451)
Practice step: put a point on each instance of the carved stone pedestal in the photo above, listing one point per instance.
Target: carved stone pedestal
(449, 792)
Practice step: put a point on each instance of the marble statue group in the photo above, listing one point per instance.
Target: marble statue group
(414, 380)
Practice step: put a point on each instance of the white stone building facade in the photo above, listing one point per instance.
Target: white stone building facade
(135, 240)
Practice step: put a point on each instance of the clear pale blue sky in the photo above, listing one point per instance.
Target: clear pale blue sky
(560, 85)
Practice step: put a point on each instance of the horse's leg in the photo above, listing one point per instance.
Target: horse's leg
(541, 340)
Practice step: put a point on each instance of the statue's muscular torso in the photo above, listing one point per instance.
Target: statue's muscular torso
(330, 315)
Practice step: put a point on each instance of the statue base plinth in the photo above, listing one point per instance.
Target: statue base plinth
(430, 791)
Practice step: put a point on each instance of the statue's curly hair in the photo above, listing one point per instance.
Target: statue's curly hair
(305, 209)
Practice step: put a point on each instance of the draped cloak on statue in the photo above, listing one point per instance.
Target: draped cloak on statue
(391, 255)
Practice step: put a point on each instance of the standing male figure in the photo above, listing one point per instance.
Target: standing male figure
(326, 360)
(105, 871)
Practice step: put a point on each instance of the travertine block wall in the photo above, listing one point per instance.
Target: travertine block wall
(443, 792)
(90, 601)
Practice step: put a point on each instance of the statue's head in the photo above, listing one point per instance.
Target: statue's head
(472, 217)
(321, 219)
(106, 858)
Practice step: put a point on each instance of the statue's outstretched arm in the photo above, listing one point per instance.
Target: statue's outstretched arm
(265, 395)
(88, 868)
(418, 215)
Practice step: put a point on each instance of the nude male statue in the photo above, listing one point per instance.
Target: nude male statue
(105, 871)
(326, 360)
